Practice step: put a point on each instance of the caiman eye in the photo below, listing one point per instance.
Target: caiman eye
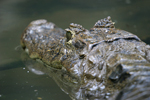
(68, 35)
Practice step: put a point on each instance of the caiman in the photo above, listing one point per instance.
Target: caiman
(100, 63)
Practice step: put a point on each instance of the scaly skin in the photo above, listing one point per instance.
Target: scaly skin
(94, 63)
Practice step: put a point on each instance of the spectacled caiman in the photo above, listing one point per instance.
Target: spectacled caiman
(100, 63)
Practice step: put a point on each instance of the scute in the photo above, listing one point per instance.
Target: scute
(105, 23)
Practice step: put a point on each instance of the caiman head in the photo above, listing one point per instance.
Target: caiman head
(89, 63)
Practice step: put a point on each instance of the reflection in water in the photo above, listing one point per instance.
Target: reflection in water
(130, 15)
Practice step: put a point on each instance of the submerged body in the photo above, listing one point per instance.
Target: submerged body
(100, 63)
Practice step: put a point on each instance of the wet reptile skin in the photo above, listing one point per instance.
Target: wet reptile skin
(100, 63)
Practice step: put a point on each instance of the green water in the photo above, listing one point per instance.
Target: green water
(16, 81)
